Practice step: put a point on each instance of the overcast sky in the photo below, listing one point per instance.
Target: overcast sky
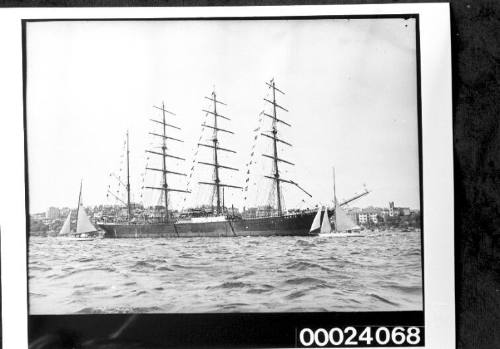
(350, 90)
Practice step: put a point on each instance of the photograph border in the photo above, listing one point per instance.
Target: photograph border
(256, 322)
(436, 146)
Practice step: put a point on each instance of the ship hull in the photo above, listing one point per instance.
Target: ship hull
(159, 230)
(288, 225)
(291, 225)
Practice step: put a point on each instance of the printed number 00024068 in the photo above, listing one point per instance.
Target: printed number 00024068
(351, 336)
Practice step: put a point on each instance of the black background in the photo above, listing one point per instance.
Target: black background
(214, 330)
(476, 127)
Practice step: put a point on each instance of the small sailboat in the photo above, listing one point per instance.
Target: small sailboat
(326, 227)
(321, 224)
(316, 224)
(343, 224)
(85, 230)
(66, 228)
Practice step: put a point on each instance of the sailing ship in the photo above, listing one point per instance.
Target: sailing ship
(220, 221)
(165, 226)
(278, 222)
(85, 230)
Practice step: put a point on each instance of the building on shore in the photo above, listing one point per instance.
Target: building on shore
(52, 213)
(398, 211)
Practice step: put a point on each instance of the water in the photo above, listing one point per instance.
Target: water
(379, 272)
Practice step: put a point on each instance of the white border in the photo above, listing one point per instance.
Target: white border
(436, 135)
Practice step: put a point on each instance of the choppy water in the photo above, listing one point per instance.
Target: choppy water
(247, 274)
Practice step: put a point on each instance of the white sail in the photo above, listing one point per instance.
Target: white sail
(316, 222)
(326, 227)
(83, 224)
(65, 230)
(343, 221)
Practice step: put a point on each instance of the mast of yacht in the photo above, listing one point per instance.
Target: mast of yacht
(216, 148)
(164, 155)
(128, 180)
(79, 202)
(275, 140)
(334, 202)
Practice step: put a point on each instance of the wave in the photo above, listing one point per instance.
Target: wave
(303, 265)
(296, 294)
(192, 266)
(413, 252)
(164, 268)
(273, 274)
(142, 265)
(230, 285)
(233, 307)
(155, 260)
(306, 309)
(37, 295)
(257, 290)
(305, 243)
(253, 242)
(120, 310)
(79, 293)
(32, 268)
(79, 271)
(90, 310)
(248, 273)
(382, 299)
(304, 280)
(261, 289)
(408, 289)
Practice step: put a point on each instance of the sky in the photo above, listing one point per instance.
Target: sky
(350, 90)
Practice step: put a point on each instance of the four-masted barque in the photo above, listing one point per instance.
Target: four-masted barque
(222, 222)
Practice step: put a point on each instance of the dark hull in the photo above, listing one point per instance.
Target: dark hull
(291, 225)
(159, 230)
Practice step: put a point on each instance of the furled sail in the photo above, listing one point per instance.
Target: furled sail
(316, 224)
(343, 221)
(326, 227)
(83, 224)
(65, 230)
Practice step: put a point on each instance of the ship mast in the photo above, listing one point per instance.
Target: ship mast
(128, 181)
(126, 185)
(79, 202)
(164, 155)
(274, 137)
(275, 147)
(334, 200)
(216, 148)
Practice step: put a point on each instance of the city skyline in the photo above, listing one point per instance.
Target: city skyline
(350, 90)
(348, 208)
